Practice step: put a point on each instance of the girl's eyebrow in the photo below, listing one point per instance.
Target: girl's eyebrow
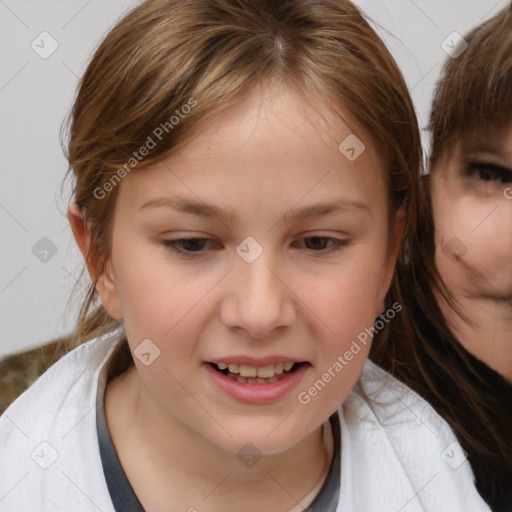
(341, 205)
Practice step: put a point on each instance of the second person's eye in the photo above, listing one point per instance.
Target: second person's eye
(490, 172)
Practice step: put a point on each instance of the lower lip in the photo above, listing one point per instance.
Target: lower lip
(257, 393)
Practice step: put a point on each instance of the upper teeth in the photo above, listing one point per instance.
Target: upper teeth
(263, 372)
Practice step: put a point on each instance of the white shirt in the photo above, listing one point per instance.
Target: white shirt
(397, 455)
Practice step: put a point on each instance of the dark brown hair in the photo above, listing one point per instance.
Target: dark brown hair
(473, 95)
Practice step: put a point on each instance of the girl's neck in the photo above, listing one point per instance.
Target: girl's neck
(167, 463)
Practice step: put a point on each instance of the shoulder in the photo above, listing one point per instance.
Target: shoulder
(48, 437)
(398, 452)
(378, 396)
(63, 383)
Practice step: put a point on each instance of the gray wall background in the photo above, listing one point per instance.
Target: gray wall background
(39, 261)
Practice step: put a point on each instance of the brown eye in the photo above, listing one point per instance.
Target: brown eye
(323, 243)
(187, 246)
(317, 242)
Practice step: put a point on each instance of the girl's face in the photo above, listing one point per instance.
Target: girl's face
(472, 210)
(258, 246)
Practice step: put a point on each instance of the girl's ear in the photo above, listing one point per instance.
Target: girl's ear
(105, 285)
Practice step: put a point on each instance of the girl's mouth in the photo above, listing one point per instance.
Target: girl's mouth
(248, 374)
(256, 381)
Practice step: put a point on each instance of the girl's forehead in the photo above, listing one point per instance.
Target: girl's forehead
(265, 176)
(274, 146)
(277, 111)
(274, 124)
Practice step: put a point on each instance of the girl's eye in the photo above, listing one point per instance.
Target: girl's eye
(318, 243)
(192, 247)
(490, 172)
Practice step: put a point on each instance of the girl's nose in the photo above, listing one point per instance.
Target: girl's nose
(258, 300)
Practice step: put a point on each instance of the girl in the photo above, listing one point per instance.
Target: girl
(244, 172)
(461, 268)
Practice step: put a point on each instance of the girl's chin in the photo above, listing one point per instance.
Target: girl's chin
(260, 439)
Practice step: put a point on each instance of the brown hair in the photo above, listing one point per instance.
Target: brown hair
(474, 93)
(475, 90)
